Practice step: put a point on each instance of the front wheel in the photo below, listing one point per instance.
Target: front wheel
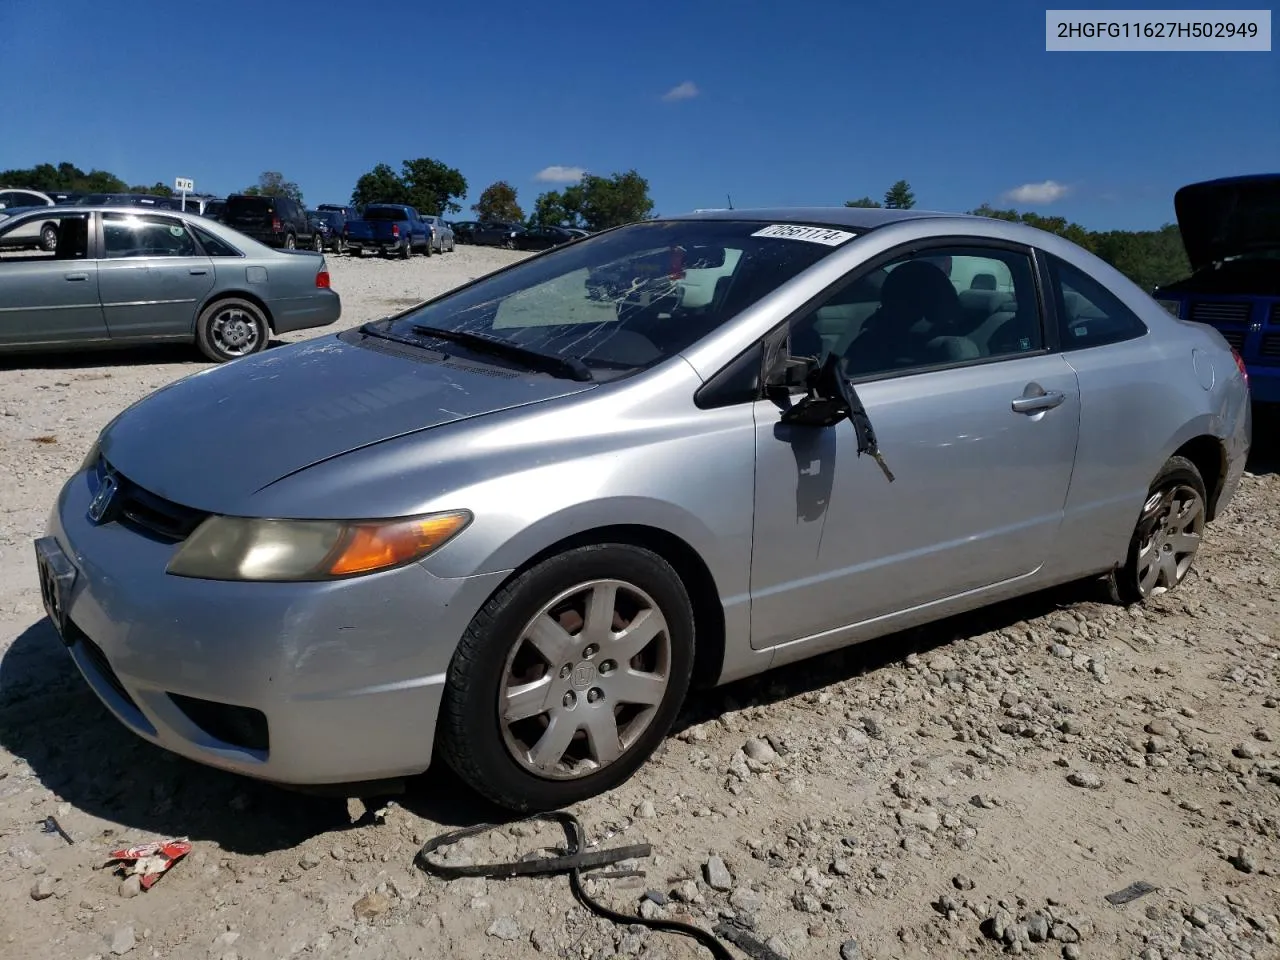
(317, 243)
(230, 329)
(1167, 537)
(48, 238)
(568, 678)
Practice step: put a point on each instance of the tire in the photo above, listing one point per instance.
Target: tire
(48, 238)
(494, 755)
(429, 250)
(1171, 525)
(231, 328)
(407, 250)
(290, 242)
(317, 243)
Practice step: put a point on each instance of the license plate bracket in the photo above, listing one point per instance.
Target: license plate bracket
(57, 577)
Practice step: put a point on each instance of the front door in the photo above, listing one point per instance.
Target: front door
(51, 298)
(153, 276)
(977, 419)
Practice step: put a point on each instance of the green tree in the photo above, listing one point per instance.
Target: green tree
(862, 202)
(498, 202)
(271, 183)
(379, 185)
(899, 196)
(603, 202)
(65, 176)
(558, 209)
(432, 186)
(157, 189)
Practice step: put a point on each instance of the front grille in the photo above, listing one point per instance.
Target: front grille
(1274, 316)
(99, 660)
(148, 513)
(1271, 345)
(1215, 312)
(1234, 337)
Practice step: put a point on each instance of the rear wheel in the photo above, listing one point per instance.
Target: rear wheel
(290, 242)
(48, 238)
(232, 328)
(1167, 537)
(568, 678)
(407, 250)
(317, 243)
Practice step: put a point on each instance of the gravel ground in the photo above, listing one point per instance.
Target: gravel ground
(972, 788)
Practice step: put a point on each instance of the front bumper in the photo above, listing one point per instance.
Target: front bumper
(345, 678)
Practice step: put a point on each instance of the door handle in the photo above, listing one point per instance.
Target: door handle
(197, 271)
(1044, 401)
(76, 276)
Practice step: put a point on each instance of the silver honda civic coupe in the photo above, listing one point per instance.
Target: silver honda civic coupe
(514, 525)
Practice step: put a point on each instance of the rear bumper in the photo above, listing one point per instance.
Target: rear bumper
(292, 683)
(321, 309)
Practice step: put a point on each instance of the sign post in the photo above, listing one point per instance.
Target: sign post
(184, 185)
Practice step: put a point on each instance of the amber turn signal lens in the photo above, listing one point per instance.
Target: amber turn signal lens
(376, 546)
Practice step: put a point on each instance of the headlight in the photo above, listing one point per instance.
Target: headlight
(239, 548)
(1173, 306)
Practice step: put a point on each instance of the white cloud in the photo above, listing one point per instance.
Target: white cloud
(684, 91)
(1046, 192)
(559, 174)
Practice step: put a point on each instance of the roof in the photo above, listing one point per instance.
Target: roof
(862, 218)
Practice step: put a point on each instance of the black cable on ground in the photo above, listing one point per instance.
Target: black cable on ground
(573, 862)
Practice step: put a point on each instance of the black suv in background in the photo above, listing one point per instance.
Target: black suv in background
(275, 221)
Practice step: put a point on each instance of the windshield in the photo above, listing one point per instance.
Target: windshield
(629, 298)
(385, 213)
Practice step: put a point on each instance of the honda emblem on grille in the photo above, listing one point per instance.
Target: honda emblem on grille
(103, 500)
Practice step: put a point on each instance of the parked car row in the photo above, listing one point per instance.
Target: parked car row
(514, 236)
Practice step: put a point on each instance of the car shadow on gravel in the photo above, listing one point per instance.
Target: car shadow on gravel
(76, 749)
(153, 354)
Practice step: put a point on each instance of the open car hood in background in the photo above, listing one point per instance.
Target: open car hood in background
(1223, 218)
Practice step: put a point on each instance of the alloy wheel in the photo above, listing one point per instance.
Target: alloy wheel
(1173, 523)
(234, 332)
(584, 679)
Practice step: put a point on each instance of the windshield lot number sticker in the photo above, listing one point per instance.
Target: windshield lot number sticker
(788, 231)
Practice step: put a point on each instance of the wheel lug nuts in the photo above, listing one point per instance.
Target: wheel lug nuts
(590, 652)
(594, 695)
(569, 699)
(565, 671)
(608, 666)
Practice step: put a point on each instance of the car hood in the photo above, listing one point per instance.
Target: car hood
(212, 440)
(1224, 218)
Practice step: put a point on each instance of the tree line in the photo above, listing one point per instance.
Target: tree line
(1148, 257)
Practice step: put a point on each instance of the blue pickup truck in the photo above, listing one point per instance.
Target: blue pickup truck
(388, 228)
(1231, 231)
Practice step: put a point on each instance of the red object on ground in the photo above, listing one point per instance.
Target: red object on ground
(152, 859)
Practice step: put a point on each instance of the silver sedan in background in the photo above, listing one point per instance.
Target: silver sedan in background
(513, 525)
(116, 276)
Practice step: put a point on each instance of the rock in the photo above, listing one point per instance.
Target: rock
(717, 873)
(745, 900)
(926, 820)
(841, 867)
(308, 861)
(122, 940)
(131, 886)
(806, 903)
(759, 751)
(962, 882)
(849, 950)
(1242, 860)
(1062, 651)
(996, 924)
(371, 905)
(650, 910)
(1037, 928)
(1069, 627)
(1085, 779)
(645, 810)
(1245, 751)
(1070, 952)
(657, 896)
(1160, 727)
(504, 928)
(43, 888)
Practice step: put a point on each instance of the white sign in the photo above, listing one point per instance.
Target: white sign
(788, 231)
(183, 185)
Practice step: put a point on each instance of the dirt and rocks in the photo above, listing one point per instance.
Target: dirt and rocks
(975, 788)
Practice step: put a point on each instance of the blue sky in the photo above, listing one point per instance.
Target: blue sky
(796, 102)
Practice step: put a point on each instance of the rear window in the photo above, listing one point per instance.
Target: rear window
(385, 213)
(249, 205)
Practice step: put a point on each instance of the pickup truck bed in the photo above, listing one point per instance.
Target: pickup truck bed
(388, 228)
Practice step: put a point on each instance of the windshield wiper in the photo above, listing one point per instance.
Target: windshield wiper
(570, 367)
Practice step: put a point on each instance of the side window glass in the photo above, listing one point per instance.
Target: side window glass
(1088, 314)
(935, 307)
(212, 245)
(39, 237)
(126, 236)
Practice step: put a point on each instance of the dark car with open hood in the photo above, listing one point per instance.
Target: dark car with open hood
(1231, 231)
